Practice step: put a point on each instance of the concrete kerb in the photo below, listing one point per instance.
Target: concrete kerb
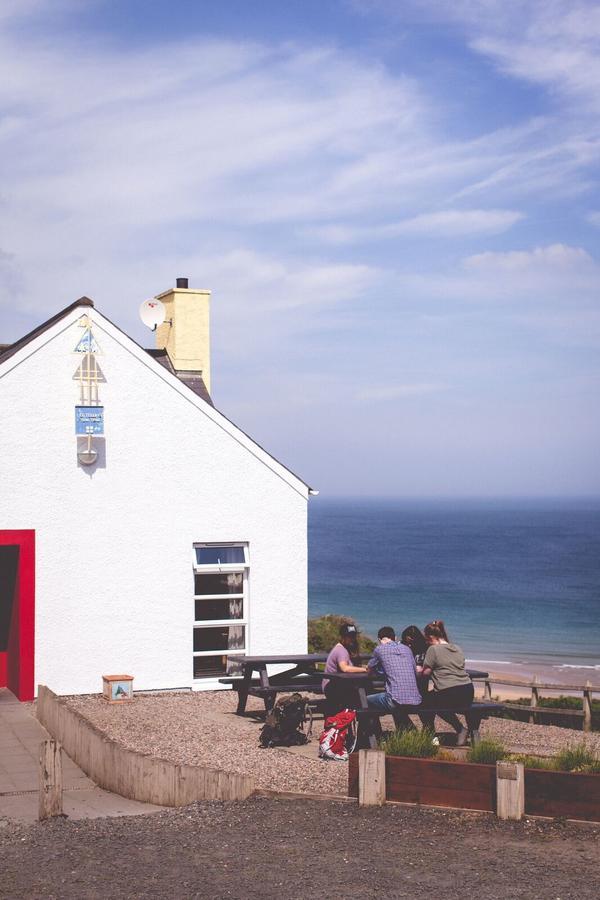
(129, 773)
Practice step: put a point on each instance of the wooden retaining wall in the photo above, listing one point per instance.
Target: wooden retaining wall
(431, 782)
(434, 782)
(129, 773)
(574, 795)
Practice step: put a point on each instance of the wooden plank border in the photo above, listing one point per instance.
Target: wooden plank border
(138, 776)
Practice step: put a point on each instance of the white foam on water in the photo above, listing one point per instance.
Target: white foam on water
(493, 662)
(573, 666)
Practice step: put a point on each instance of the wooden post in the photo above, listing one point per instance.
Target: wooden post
(50, 780)
(587, 706)
(534, 698)
(371, 777)
(510, 790)
(487, 690)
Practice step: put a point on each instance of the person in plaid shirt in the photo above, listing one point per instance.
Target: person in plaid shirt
(396, 664)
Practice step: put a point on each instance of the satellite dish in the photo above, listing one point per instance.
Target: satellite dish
(152, 313)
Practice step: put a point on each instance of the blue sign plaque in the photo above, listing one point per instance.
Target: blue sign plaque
(89, 420)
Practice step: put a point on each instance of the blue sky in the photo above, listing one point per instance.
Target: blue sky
(395, 205)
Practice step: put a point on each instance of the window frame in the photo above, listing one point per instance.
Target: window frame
(222, 569)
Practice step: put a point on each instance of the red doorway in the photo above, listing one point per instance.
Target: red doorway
(17, 612)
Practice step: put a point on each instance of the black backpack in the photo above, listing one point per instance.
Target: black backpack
(285, 723)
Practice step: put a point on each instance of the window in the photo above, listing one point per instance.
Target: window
(220, 555)
(220, 608)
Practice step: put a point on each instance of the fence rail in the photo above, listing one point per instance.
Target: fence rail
(535, 686)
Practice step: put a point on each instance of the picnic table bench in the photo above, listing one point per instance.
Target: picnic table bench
(359, 683)
(304, 676)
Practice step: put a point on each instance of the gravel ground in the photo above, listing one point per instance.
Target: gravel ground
(299, 850)
(201, 728)
(542, 740)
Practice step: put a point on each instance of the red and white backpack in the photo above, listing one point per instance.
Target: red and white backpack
(338, 739)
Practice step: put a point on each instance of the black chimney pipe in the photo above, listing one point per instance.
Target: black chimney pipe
(182, 283)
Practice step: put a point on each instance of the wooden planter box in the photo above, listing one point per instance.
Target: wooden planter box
(574, 795)
(463, 785)
(432, 782)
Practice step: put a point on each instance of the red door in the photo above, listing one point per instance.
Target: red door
(17, 611)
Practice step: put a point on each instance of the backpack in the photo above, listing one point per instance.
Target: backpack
(284, 725)
(338, 740)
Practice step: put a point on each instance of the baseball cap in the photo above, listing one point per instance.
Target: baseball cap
(348, 630)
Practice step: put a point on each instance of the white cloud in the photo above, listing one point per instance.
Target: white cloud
(594, 219)
(556, 257)
(548, 42)
(450, 223)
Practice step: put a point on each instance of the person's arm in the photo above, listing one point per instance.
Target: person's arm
(348, 667)
(374, 667)
(428, 662)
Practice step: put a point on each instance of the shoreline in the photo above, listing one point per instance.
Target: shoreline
(567, 680)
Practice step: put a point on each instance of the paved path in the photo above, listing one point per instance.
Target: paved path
(20, 737)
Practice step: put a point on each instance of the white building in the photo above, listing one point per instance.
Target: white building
(180, 548)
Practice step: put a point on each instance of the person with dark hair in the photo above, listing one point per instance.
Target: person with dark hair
(396, 664)
(452, 687)
(414, 639)
(342, 658)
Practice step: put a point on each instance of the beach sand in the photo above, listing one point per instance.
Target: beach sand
(568, 681)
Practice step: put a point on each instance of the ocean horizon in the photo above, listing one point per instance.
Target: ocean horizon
(517, 581)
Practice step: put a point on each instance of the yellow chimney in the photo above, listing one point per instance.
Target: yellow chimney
(185, 333)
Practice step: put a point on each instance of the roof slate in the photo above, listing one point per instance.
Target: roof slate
(194, 382)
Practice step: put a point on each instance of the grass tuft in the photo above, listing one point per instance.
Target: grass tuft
(532, 762)
(577, 758)
(410, 743)
(487, 750)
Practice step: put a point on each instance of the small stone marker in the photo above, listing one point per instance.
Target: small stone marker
(371, 777)
(50, 780)
(510, 790)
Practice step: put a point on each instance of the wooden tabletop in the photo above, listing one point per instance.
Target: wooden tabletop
(350, 676)
(289, 658)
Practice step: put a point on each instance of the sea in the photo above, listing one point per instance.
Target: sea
(516, 582)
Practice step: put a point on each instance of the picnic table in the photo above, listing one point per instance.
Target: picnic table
(302, 676)
(359, 684)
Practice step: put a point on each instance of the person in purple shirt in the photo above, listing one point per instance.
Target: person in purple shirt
(396, 664)
(340, 660)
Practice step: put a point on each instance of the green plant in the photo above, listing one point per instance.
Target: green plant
(563, 703)
(578, 758)
(324, 633)
(410, 743)
(487, 750)
(532, 762)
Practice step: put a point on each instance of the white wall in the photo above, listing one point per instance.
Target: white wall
(114, 585)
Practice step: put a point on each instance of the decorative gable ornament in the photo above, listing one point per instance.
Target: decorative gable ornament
(87, 343)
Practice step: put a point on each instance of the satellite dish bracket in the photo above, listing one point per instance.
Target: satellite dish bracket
(166, 322)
